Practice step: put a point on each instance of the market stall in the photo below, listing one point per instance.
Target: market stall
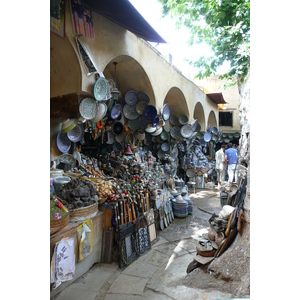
(124, 172)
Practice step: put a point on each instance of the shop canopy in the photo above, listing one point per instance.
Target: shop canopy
(217, 98)
(124, 13)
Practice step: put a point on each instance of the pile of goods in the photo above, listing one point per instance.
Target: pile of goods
(78, 193)
(103, 187)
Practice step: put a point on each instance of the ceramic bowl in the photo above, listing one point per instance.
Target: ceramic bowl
(131, 97)
(142, 96)
(157, 132)
(101, 89)
(76, 134)
(68, 124)
(62, 142)
(186, 131)
(118, 128)
(140, 107)
(183, 119)
(116, 111)
(101, 110)
(150, 112)
(150, 129)
(130, 112)
(207, 137)
(166, 112)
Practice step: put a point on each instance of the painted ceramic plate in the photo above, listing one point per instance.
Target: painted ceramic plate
(150, 112)
(194, 124)
(144, 97)
(130, 112)
(167, 126)
(101, 89)
(165, 147)
(76, 134)
(62, 142)
(164, 136)
(190, 173)
(207, 137)
(174, 120)
(134, 124)
(236, 135)
(175, 132)
(214, 130)
(183, 119)
(186, 131)
(157, 132)
(166, 112)
(131, 97)
(116, 111)
(140, 107)
(143, 122)
(101, 110)
(87, 108)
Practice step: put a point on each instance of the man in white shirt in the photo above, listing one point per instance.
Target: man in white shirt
(220, 165)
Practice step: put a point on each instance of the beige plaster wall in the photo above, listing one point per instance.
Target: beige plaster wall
(231, 95)
(68, 76)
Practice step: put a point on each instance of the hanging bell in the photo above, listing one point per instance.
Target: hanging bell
(128, 150)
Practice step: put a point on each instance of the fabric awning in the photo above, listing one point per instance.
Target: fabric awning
(217, 98)
(125, 14)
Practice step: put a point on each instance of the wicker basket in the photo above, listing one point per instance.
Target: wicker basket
(57, 225)
(83, 212)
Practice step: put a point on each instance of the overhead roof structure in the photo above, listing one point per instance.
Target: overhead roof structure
(217, 98)
(125, 14)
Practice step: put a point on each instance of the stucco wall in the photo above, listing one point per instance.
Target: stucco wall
(231, 95)
(111, 40)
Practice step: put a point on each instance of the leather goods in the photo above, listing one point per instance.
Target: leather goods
(240, 220)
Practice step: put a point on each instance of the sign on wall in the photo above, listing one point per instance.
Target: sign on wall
(57, 17)
(82, 18)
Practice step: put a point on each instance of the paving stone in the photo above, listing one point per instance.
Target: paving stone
(170, 248)
(154, 257)
(76, 294)
(122, 297)
(174, 270)
(127, 284)
(141, 268)
(92, 280)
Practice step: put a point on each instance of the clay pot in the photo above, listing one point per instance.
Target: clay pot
(219, 237)
(212, 233)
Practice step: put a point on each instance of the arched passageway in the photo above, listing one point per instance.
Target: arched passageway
(199, 115)
(177, 102)
(130, 75)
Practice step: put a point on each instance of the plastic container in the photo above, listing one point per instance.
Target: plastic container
(60, 181)
(56, 173)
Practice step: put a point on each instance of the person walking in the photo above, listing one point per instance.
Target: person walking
(220, 165)
(231, 156)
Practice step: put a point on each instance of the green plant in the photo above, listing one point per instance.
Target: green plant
(224, 25)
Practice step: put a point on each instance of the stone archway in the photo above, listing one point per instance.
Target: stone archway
(212, 120)
(199, 115)
(177, 102)
(130, 75)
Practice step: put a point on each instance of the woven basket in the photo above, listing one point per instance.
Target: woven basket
(57, 225)
(83, 211)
